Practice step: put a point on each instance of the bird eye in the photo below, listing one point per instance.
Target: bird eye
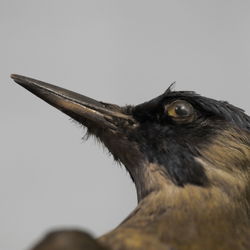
(180, 111)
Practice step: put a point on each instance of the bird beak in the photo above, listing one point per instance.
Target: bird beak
(83, 109)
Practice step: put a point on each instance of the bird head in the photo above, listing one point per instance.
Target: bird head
(176, 139)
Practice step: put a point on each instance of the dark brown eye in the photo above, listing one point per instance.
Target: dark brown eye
(180, 111)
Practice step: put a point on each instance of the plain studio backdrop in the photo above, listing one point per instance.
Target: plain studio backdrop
(123, 52)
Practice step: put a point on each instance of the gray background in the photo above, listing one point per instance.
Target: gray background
(123, 52)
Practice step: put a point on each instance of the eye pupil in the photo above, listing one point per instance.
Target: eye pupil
(182, 110)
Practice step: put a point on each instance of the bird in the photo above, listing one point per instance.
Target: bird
(189, 158)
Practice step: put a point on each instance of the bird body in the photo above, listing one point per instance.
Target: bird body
(186, 219)
(189, 157)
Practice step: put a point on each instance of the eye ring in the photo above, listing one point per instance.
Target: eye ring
(180, 111)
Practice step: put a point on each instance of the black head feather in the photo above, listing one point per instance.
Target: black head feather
(175, 146)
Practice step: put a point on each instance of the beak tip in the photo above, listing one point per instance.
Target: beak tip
(21, 80)
(14, 76)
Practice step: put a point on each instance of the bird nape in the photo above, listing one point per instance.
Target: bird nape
(189, 157)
